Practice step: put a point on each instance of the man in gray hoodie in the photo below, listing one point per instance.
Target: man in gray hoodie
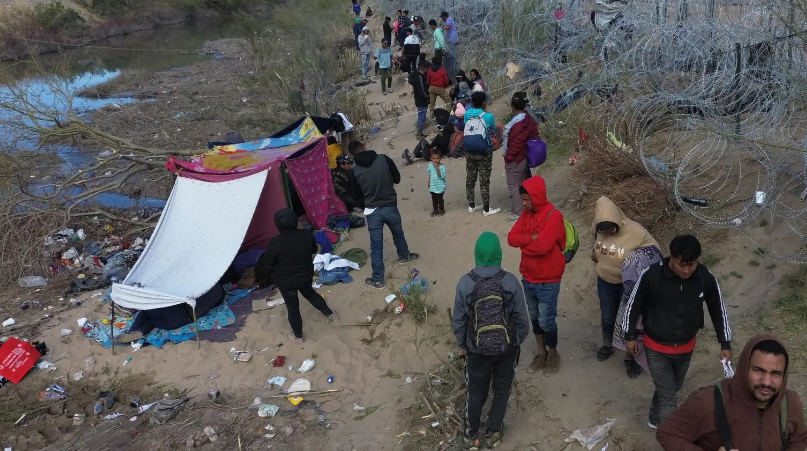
(490, 323)
(365, 49)
(374, 177)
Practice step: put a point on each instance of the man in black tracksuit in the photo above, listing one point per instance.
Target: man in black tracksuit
(288, 260)
(420, 91)
(669, 297)
(374, 178)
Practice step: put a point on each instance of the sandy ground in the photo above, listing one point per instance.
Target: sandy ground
(367, 362)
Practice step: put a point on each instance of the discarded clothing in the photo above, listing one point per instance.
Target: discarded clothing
(357, 255)
(334, 276)
(79, 285)
(353, 220)
(165, 410)
(322, 239)
(329, 262)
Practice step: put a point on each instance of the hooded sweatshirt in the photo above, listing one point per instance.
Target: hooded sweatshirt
(631, 236)
(365, 43)
(374, 179)
(288, 255)
(437, 76)
(542, 259)
(488, 256)
(693, 426)
(420, 88)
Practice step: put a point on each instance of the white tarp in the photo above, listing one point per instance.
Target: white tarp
(195, 240)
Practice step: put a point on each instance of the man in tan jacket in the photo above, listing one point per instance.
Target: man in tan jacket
(758, 413)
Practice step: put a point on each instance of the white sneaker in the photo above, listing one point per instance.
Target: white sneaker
(473, 209)
(389, 90)
(491, 212)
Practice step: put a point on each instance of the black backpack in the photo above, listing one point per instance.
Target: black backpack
(491, 325)
(723, 420)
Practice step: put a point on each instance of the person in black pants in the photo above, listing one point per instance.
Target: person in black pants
(288, 259)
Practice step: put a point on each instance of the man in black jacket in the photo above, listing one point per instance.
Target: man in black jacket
(669, 297)
(289, 260)
(421, 94)
(374, 177)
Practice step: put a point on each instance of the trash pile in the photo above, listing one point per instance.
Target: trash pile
(98, 263)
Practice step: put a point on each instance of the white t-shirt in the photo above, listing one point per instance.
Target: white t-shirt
(412, 39)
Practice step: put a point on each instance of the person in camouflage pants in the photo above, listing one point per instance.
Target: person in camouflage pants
(480, 164)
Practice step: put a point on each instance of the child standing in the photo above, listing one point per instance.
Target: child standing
(437, 183)
(288, 259)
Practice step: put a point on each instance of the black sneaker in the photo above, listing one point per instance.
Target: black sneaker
(604, 353)
(411, 258)
(406, 157)
(377, 284)
(632, 368)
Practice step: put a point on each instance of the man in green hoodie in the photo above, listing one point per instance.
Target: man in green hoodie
(490, 322)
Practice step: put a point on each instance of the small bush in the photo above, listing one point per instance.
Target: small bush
(54, 16)
(110, 7)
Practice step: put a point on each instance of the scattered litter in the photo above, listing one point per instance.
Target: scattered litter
(136, 346)
(267, 410)
(257, 401)
(128, 359)
(89, 364)
(400, 308)
(278, 361)
(97, 295)
(737, 222)
(605, 448)
(78, 376)
(214, 376)
(134, 418)
(437, 381)
(112, 416)
(330, 379)
(211, 433)
(9, 322)
(308, 365)
(591, 436)
(240, 356)
(99, 407)
(759, 198)
(369, 319)
(135, 402)
(435, 424)
(81, 322)
(263, 304)
(165, 410)
(66, 332)
(277, 380)
(32, 281)
(46, 365)
(214, 395)
(295, 400)
(358, 408)
(299, 386)
(409, 379)
(390, 298)
(78, 419)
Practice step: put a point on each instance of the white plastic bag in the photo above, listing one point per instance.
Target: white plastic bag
(591, 436)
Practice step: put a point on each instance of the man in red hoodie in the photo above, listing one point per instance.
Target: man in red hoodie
(541, 235)
(437, 79)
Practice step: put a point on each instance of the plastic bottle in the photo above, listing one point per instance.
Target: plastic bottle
(695, 201)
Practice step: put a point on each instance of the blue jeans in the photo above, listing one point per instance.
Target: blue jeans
(542, 303)
(365, 64)
(422, 110)
(610, 295)
(391, 217)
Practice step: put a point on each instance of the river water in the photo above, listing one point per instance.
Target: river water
(45, 81)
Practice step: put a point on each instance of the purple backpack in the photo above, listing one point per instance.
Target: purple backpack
(536, 152)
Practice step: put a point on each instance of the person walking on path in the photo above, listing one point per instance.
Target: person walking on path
(541, 235)
(669, 297)
(479, 164)
(437, 79)
(289, 259)
(374, 179)
(760, 413)
(616, 236)
(439, 39)
(452, 36)
(356, 8)
(411, 50)
(488, 297)
(357, 29)
(384, 57)
(421, 94)
(365, 50)
(517, 132)
(388, 30)
(437, 183)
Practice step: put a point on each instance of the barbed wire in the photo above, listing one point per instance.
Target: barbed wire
(707, 94)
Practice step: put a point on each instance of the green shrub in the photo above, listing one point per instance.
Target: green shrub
(110, 7)
(55, 16)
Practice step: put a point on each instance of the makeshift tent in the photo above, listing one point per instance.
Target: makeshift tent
(220, 205)
(307, 128)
